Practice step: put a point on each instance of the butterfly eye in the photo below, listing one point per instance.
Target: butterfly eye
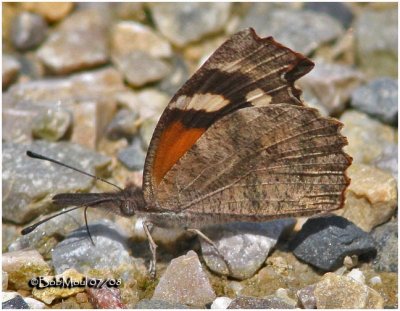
(127, 208)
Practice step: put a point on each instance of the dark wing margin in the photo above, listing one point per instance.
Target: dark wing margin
(243, 72)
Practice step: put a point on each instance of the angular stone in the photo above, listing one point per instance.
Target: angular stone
(80, 42)
(341, 292)
(386, 238)
(4, 280)
(34, 304)
(244, 245)
(124, 124)
(387, 160)
(52, 125)
(178, 75)
(53, 12)
(29, 184)
(22, 266)
(110, 252)
(221, 303)
(259, 303)
(16, 302)
(48, 294)
(332, 84)
(159, 304)
(376, 38)
(182, 23)
(105, 298)
(133, 156)
(185, 282)
(378, 98)
(371, 198)
(10, 69)
(140, 68)
(307, 298)
(128, 36)
(28, 30)
(324, 242)
(338, 10)
(268, 20)
(367, 137)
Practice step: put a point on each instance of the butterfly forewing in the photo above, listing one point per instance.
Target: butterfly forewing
(245, 71)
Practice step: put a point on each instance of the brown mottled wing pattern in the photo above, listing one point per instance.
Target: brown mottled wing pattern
(273, 161)
(245, 71)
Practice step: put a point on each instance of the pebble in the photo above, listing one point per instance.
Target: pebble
(259, 303)
(34, 304)
(375, 47)
(105, 298)
(182, 23)
(178, 75)
(306, 297)
(124, 124)
(371, 198)
(133, 156)
(338, 10)
(129, 36)
(17, 302)
(159, 304)
(52, 125)
(332, 84)
(357, 275)
(367, 137)
(51, 293)
(375, 280)
(324, 242)
(221, 303)
(140, 68)
(306, 31)
(22, 266)
(10, 69)
(378, 98)
(185, 282)
(386, 238)
(53, 12)
(341, 292)
(28, 30)
(244, 245)
(80, 42)
(387, 160)
(110, 252)
(30, 183)
(4, 280)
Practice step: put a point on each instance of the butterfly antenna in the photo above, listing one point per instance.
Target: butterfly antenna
(34, 226)
(87, 226)
(41, 157)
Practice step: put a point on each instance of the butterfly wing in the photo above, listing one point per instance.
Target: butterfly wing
(273, 161)
(246, 71)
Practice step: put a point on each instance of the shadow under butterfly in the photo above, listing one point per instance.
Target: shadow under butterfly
(235, 143)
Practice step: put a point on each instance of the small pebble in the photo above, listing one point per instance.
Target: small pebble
(357, 275)
(375, 280)
(221, 303)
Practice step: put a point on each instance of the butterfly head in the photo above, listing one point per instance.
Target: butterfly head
(131, 201)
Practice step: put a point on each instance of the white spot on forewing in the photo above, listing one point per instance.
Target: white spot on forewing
(258, 98)
(207, 102)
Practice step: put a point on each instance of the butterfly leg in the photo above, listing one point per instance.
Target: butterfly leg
(148, 226)
(209, 241)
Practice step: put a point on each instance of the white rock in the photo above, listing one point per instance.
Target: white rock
(357, 275)
(221, 303)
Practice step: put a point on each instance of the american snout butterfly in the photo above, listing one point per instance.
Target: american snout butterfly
(235, 143)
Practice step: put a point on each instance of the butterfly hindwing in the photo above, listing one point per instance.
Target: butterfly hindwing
(272, 161)
(246, 71)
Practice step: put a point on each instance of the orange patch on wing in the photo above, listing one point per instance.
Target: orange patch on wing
(173, 144)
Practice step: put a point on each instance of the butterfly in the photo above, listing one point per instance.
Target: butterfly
(235, 143)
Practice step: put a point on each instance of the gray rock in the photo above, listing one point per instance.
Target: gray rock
(28, 30)
(332, 84)
(259, 303)
(80, 42)
(15, 303)
(378, 98)
(387, 160)
(244, 245)
(304, 33)
(124, 124)
(106, 298)
(140, 68)
(110, 252)
(176, 78)
(185, 282)
(324, 242)
(307, 298)
(376, 38)
(133, 157)
(386, 238)
(182, 23)
(159, 304)
(338, 10)
(10, 69)
(52, 125)
(10, 232)
(29, 184)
